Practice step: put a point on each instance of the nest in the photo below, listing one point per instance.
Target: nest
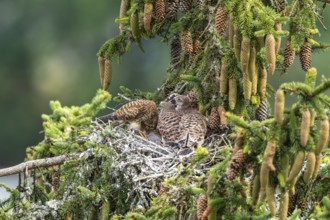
(146, 164)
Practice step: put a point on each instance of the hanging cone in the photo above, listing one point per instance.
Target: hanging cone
(262, 111)
(262, 86)
(187, 42)
(107, 74)
(245, 54)
(201, 205)
(310, 167)
(236, 163)
(253, 70)
(223, 79)
(237, 43)
(214, 120)
(306, 56)
(280, 5)
(289, 55)
(305, 127)
(278, 27)
(173, 9)
(196, 49)
(270, 53)
(222, 112)
(199, 3)
(232, 93)
(175, 52)
(160, 10)
(101, 68)
(302, 204)
(185, 5)
(279, 106)
(247, 86)
(56, 175)
(292, 203)
(124, 4)
(147, 16)
(220, 20)
(323, 136)
(284, 204)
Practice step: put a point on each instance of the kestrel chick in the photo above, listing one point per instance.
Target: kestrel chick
(141, 114)
(192, 123)
(169, 123)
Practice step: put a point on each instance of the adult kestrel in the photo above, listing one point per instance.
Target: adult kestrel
(140, 114)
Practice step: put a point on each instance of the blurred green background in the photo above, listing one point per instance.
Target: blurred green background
(48, 52)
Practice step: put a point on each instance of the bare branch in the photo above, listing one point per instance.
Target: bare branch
(45, 162)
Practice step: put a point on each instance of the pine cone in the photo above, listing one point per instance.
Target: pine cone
(262, 111)
(124, 5)
(175, 52)
(236, 163)
(199, 3)
(292, 203)
(270, 53)
(262, 87)
(56, 179)
(201, 205)
(223, 79)
(197, 47)
(185, 5)
(101, 68)
(222, 112)
(214, 119)
(289, 55)
(160, 10)
(187, 42)
(221, 20)
(107, 76)
(306, 56)
(173, 9)
(280, 5)
(147, 16)
(302, 204)
(247, 86)
(232, 86)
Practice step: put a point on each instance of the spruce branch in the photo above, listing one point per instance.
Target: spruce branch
(321, 88)
(297, 87)
(321, 46)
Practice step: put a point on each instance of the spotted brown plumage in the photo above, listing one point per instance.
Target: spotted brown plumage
(141, 114)
(169, 123)
(193, 124)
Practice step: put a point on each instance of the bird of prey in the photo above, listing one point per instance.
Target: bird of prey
(192, 123)
(141, 114)
(169, 124)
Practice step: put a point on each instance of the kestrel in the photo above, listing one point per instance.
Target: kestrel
(169, 124)
(140, 114)
(192, 123)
